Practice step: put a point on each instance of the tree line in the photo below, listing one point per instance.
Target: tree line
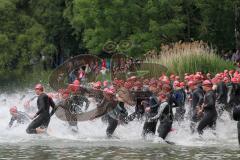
(53, 30)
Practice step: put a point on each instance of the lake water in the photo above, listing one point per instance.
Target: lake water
(91, 141)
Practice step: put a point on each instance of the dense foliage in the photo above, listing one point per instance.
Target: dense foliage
(58, 29)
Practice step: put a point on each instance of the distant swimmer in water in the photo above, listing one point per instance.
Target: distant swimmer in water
(42, 117)
(18, 116)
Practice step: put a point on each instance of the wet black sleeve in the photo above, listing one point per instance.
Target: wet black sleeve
(172, 101)
(52, 104)
(24, 116)
(153, 102)
(200, 98)
(220, 91)
(11, 121)
(124, 110)
(43, 102)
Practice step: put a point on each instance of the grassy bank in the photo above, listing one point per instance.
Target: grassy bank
(182, 58)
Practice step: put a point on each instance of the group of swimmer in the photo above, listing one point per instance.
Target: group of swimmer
(41, 119)
(206, 95)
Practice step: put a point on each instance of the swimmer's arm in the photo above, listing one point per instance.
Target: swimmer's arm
(32, 98)
(11, 122)
(160, 110)
(153, 106)
(54, 107)
(153, 100)
(201, 99)
(175, 102)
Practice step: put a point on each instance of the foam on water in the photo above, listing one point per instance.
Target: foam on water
(95, 131)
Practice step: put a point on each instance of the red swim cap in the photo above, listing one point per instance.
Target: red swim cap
(105, 83)
(176, 84)
(39, 87)
(226, 79)
(166, 87)
(127, 85)
(98, 84)
(13, 109)
(138, 84)
(162, 96)
(186, 78)
(197, 77)
(207, 83)
(108, 91)
(231, 71)
(76, 83)
(182, 84)
(234, 80)
(191, 83)
(172, 76)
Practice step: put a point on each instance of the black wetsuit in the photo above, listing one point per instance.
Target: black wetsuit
(74, 106)
(172, 101)
(76, 103)
(234, 93)
(139, 109)
(210, 113)
(139, 97)
(233, 99)
(165, 115)
(236, 117)
(97, 95)
(149, 125)
(238, 128)
(43, 116)
(180, 97)
(118, 114)
(197, 97)
(234, 103)
(221, 97)
(21, 118)
(71, 112)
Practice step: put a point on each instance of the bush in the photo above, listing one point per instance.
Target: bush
(17, 79)
(189, 57)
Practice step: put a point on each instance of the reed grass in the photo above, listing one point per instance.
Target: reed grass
(188, 57)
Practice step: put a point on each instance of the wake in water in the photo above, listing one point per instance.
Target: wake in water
(95, 131)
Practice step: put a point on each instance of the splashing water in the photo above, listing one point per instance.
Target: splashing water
(93, 133)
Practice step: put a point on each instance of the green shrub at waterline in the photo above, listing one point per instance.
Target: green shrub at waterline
(182, 58)
(16, 80)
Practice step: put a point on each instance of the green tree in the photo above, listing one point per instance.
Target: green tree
(147, 23)
(192, 19)
(217, 25)
(50, 14)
